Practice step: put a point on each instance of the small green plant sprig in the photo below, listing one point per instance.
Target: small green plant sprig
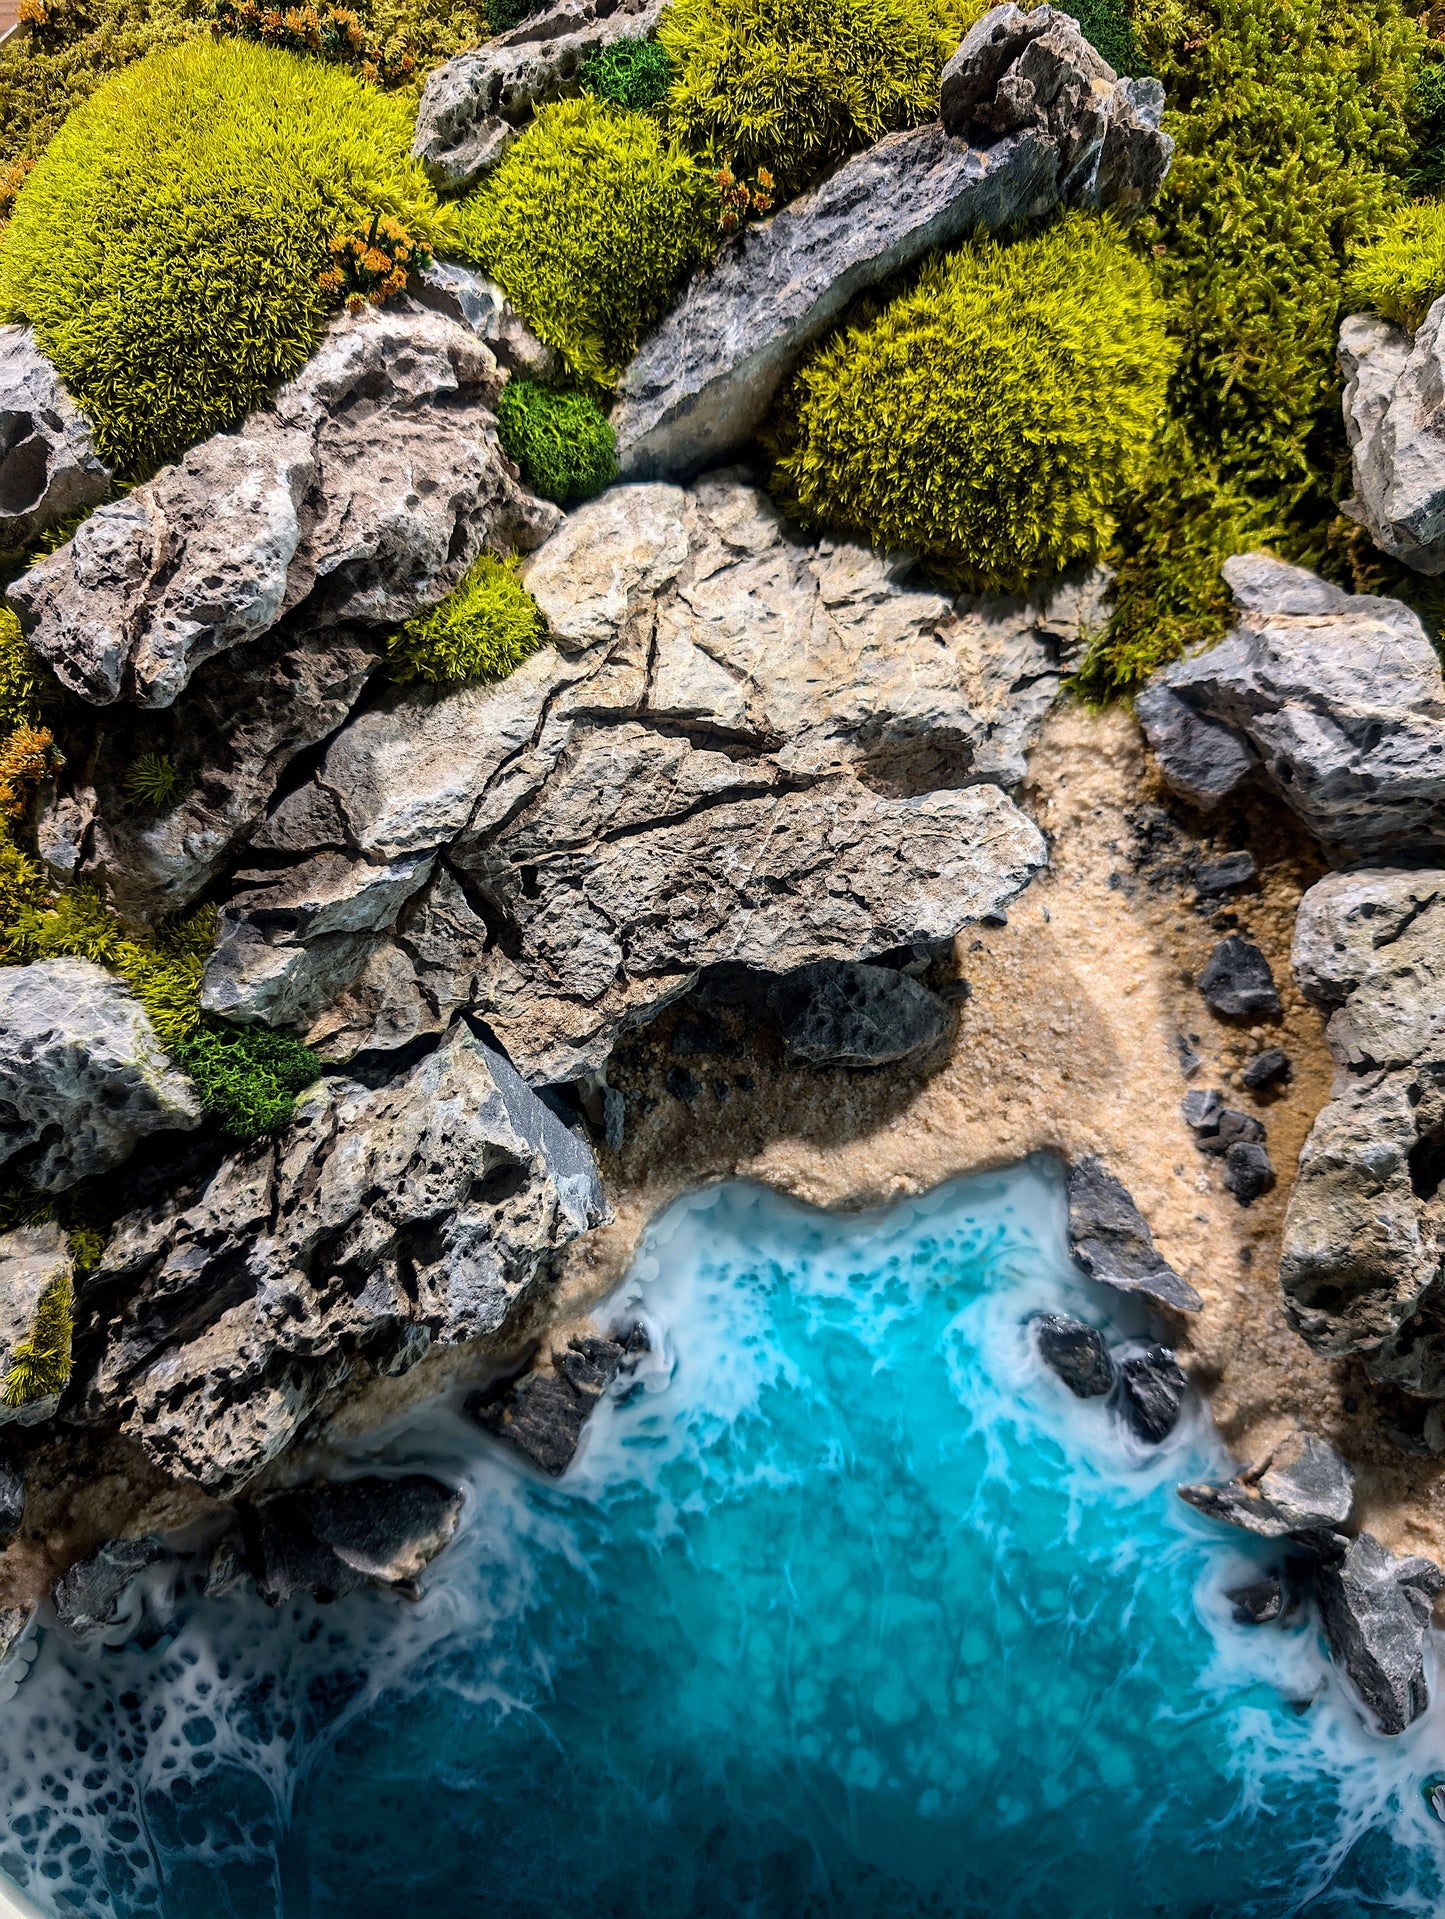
(40, 1363)
(152, 780)
(247, 1076)
(482, 631)
(633, 73)
(563, 442)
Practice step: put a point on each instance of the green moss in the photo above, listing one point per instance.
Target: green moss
(168, 246)
(162, 968)
(152, 780)
(633, 73)
(1403, 273)
(589, 222)
(562, 442)
(1292, 123)
(1108, 27)
(26, 687)
(482, 631)
(40, 1364)
(247, 1076)
(991, 414)
(792, 85)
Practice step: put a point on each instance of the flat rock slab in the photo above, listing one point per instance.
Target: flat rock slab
(48, 463)
(1393, 389)
(1111, 1240)
(1303, 1487)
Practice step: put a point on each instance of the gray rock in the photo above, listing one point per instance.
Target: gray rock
(1334, 699)
(1375, 1609)
(13, 1622)
(364, 490)
(82, 1074)
(333, 1539)
(1302, 1487)
(1247, 1170)
(1237, 983)
(475, 105)
(1268, 1068)
(1110, 1238)
(480, 305)
(1203, 1109)
(88, 1598)
(33, 1259)
(702, 381)
(48, 463)
(543, 1412)
(1076, 1352)
(1151, 1393)
(12, 1502)
(1257, 1603)
(1226, 1129)
(389, 1217)
(1214, 878)
(839, 1013)
(1394, 387)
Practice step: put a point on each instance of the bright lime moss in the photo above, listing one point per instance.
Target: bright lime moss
(1403, 273)
(162, 968)
(482, 631)
(40, 1364)
(248, 1077)
(992, 414)
(562, 442)
(168, 246)
(590, 221)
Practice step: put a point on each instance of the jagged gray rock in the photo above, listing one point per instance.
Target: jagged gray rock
(48, 463)
(1152, 1389)
(1302, 1487)
(475, 104)
(363, 489)
(82, 1074)
(1236, 981)
(1375, 1609)
(1077, 1353)
(542, 1412)
(332, 1539)
(1364, 1232)
(1111, 1240)
(479, 304)
(1335, 699)
(388, 1218)
(675, 783)
(12, 1504)
(13, 1621)
(33, 1259)
(87, 1597)
(840, 1013)
(1394, 388)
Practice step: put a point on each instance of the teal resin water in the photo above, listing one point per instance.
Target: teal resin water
(847, 1608)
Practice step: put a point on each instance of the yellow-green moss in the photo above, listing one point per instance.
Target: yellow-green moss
(482, 631)
(40, 1363)
(163, 968)
(1403, 273)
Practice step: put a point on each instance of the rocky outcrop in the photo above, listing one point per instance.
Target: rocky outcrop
(839, 1013)
(742, 748)
(1152, 1389)
(480, 305)
(1304, 1486)
(332, 1539)
(1335, 700)
(1076, 1353)
(1375, 1609)
(542, 1413)
(362, 491)
(89, 1597)
(1054, 124)
(33, 1260)
(1111, 1240)
(1394, 388)
(82, 1074)
(48, 463)
(1364, 1233)
(392, 1215)
(475, 105)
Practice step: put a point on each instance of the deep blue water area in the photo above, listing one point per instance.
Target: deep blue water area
(845, 1608)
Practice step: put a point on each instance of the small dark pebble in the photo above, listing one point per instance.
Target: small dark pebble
(1214, 877)
(1077, 1353)
(1247, 1171)
(1151, 1392)
(1201, 1108)
(681, 1084)
(743, 1082)
(1232, 1128)
(1266, 1068)
(1189, 1060)
(1258, 1602)
(1237, 981)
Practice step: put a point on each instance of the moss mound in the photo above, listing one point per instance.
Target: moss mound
(589, 221)
(168, 246)
(482, 631)
(992, 414)
(562, 442)
(247, 1076)
(1403, 274)
(632, 73)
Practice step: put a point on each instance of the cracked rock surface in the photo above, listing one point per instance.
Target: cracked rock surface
(48, 463)
(1394, 387)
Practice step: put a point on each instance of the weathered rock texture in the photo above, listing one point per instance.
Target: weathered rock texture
(1365, 1230)
(88, 1598)
(1334, 699)
(1056, 125)
(387, 1217)
(480, 305)
(1077, 1353)
(840, 1013)
(32, 1260)
(48, 463)
(1394, 389)
(82, 1074)
(742, 748)
(330, 1540)
(543, 1412)
(1302, 1487)
(1375, 1609)
(364, 490)
(1111, 1240)
(474, 106)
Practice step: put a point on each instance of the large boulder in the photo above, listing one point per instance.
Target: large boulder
(363, 490)
(332, 1539)
(82, 1074)
(1303, 1487)
(474, 105)
(391, 1216)
(1394, 388)
(1364, 1233)
(742, 747)
(1334, 699)
(1375, 1608)
(48, 463)
(34, 1262)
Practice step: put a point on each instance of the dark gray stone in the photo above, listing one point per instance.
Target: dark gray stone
(12, 1500)
(1151, 1392)
(1304, 1486)
(1226, 1128)
(1077, 1353)
(1237, 983)
(846, 1013)
(542, 1413)
(1202, 1109)
(1201, 757)
(1267, 1069)
(1226, 875)
(1111, 1240)
(1247, 1171)
(87, 1598)
(1257, 1603)
(1375, 1609)
(332, 1539)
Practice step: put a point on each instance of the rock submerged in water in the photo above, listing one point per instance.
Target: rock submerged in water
(1152, 1389)
(542, 1413)
(1111, 1240)
(1077, 1353)
(1257, 1603)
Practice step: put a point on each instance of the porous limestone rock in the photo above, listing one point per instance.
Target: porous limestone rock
(89, 1596)
(1375, 1608)
(475, 104)
(1334, 699)
(48, 463)
(1364, 1233)
(393, 1214)
(475, 302)
(1302, 1487)
(1111, 1240)
(33, 1259)
(363, 489)
(82, 1074)
(543, 1411)
(741, 747)
(332, 1539)
(1394, 389)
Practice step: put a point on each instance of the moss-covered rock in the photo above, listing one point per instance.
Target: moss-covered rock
(36, 1321)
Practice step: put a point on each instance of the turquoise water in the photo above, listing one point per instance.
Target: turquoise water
(846, 1609)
